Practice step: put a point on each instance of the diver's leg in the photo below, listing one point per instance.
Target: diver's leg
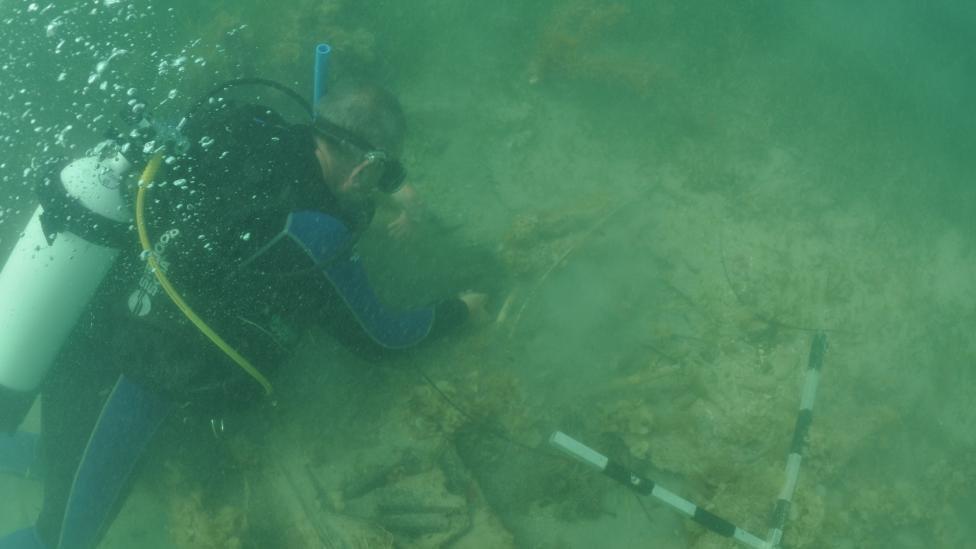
(22, 539)
(79, 508)
(127, 423)
(14, 406)
(72, 396)
(17, 454)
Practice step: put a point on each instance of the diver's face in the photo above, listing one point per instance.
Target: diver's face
(347, 175)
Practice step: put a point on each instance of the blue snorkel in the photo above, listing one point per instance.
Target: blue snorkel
(322, 52)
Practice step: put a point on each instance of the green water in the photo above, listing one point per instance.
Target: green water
(669, 196)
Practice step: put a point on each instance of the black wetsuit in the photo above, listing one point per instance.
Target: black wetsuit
(259, 299)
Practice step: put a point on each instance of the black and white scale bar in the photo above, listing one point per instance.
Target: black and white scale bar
(646, 487)
(818, 348)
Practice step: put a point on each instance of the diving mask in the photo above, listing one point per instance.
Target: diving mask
(391, 172)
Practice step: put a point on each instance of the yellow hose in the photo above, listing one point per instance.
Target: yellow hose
(148, 174)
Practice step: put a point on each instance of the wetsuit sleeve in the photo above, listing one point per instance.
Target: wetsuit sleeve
(339, 320)
(338, 294)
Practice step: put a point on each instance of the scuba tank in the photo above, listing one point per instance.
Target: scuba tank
(67, 248)
(63, 254)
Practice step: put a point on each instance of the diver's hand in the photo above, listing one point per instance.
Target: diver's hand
(410, 208)
(401, 227)
(475, 302)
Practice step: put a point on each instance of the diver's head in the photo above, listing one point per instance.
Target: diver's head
(359, 130)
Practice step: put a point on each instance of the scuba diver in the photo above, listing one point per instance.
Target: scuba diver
(187, 289)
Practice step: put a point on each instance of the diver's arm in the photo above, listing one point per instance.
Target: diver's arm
(341, 322)
(338, 293)
(360, 319)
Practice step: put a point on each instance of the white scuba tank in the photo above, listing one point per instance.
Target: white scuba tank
(44, 287)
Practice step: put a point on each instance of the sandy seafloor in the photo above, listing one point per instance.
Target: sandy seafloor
(662, 223)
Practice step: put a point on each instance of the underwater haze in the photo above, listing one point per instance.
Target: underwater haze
(665, 201)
